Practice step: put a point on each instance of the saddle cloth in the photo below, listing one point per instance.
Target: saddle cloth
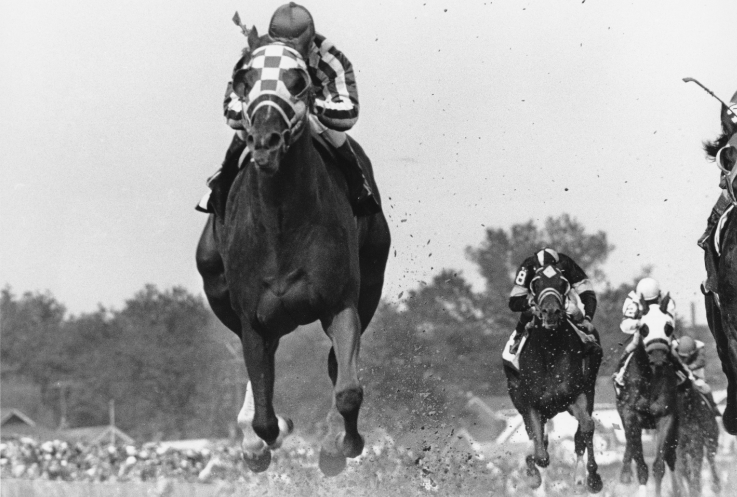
(718, 230)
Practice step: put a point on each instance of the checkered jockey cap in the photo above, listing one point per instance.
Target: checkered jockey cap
(271, 61)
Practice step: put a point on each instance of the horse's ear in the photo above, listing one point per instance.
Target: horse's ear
(253, 38)
(664, 303)
(645, 308)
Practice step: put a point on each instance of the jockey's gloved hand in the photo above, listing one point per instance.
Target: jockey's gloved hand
(586, 324)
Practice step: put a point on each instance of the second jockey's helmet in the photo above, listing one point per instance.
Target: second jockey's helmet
(648, 289)
(293, 24)
(686, 346)
(547, 256)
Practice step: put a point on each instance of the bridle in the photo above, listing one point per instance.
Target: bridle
(270, 90)
(549, 272)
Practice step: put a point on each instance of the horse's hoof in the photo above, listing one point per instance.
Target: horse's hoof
(594, 483)
(729, 420)
(543, 462)
(626, 477)
(534, 478)
(331, 464)
(258, 463)
(351, 449)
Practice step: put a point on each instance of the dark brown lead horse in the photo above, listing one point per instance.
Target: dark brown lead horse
(289, 252)
(555, 375)
(648, 399)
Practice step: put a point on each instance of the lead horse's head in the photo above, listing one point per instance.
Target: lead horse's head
(274, 87)
(549, 290)
(656, 330)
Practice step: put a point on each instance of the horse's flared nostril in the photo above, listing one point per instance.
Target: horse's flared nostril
(274, 140)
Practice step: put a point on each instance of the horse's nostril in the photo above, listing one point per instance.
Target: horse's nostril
(274, 140)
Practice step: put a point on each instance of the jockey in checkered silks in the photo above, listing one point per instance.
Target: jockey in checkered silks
(580, 301)
(335, 108)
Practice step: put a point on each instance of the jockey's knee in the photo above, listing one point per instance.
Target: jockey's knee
(335, 138)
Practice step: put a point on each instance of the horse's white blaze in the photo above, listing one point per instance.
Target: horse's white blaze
(251, 442)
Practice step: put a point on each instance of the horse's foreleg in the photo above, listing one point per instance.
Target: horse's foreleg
(633, 434)
(584, 439)
(664, 442)
(344, 331)
(257, 418)
(537, 429)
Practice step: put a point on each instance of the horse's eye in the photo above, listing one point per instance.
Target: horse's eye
(668, 329)
(295, 81)
(644, 330)
(244, 81)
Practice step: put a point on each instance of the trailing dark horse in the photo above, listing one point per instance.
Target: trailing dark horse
(648, 398)
(289, 252)
(555, 376)
(721, 315)
(698, 434)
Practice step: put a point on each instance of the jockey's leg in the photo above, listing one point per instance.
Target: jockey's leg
(219, 183)
(519, 332)
(705, 242)
(618, 375)
(361, 196)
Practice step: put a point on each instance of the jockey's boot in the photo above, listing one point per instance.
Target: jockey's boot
(618, 375)
(220, 182)
(516, 340)
(712, 403)
(362, 198)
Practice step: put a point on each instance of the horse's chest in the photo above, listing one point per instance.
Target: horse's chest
(300, 279)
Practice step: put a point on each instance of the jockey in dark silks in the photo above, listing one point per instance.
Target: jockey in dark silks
(334, 111)
(581, 299)
(691, 354)
(724, 151)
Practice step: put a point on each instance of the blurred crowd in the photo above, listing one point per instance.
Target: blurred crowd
(59, 460)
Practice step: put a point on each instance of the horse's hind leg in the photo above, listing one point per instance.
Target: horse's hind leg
(344, 331)
(711, 441)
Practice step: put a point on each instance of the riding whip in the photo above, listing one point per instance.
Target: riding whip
(237, 22)
(730, 113)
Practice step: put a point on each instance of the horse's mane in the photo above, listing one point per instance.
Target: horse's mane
(712, 147)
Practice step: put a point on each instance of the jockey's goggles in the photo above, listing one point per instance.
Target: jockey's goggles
(723, 163)
(276, 87)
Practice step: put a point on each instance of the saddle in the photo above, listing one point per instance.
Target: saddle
(511, 359)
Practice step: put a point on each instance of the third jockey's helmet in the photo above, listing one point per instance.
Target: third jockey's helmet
(648, 289)
(686, 346)
(293, 23)
(547, 256)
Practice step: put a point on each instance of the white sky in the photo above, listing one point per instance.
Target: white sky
(474, 113)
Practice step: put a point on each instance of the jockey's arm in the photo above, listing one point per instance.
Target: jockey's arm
(336, 103)
(631, 313)
(699, 362)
